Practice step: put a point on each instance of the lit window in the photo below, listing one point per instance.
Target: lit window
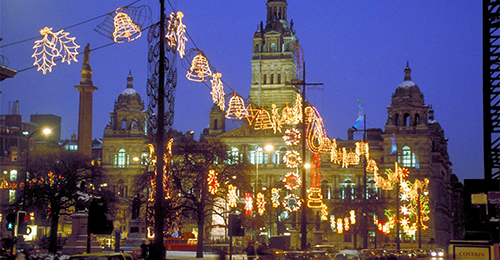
(12, 196)
(13, 175)
(407, 158)
(347, 189)
(121, 159)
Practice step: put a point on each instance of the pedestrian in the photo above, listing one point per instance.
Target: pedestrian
(250, 250)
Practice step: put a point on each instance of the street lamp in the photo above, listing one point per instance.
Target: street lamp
(268, 148)
(45, 131)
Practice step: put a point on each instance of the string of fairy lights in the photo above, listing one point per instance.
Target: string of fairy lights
(59, 46)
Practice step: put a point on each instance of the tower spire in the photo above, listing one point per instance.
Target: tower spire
(407, 71)
(130, 80)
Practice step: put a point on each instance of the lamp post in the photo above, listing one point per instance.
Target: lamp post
(268, 148)
(45, 131)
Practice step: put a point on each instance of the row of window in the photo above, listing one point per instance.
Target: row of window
(122, 159)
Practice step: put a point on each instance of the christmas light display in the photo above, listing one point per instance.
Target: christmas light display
(236, 108)
(340, 226)
(292, 180)
(213, 183)
(292, 202)
(352, 217)
(124, 28)
(394, 147)
(261, 203)
(299, 58)
(332, 222)
(200, 69)
(292, 159)
(180, 33)
(4, 184)
(275, 116)
(51, 46)
(218, 91)
(324, 212)
(346, 224)
(275, 196)
(315, 133)
(232, 197)
(292, 136)
(248, 204)
(262, 120)
(315, 199)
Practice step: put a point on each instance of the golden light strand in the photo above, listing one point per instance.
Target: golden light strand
(218, 91)
(52, 45)
(232, 197)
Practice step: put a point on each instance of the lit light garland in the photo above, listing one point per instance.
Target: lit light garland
(316, 134)
(236, 108)
(200, 69)
(315, 198)
(340, 226)
(218, 91)
(292, 181)
(292, 159)
(180, 33)
(291, 136)
(275, 116)
(213, 183)
(248, 204)
(52, 45)
(332, 222)
(352, 217)
(232, 197)
(324, 212)
(292, 202)
(275, 196)
(346, 224)
(261, 203)
(263, 120)
(124, 28)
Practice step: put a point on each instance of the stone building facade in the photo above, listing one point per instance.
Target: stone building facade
(125, 149)
(420, 141)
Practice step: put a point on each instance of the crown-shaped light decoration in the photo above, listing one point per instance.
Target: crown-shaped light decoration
(292, 180)
(232, 197)
(263, 120)
(292, 202)
(261, 203)
(236, 108)
(200, 69)
(275, 196)
(125, 29)
(218, 91)
(52, 45)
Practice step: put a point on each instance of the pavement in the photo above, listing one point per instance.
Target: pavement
(192, 255)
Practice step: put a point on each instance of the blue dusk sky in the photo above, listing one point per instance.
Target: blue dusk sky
(357, 49)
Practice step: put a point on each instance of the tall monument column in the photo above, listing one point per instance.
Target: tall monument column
(86, 88)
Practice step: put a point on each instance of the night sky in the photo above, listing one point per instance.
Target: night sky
(357, 49)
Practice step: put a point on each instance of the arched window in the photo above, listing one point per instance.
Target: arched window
(215, 124)
(279, 78)
(417, 119)
(272, 79)
(264, 78)
(326, 189)
(407, 119)
(256, 48)
(121, 159)
(396, 120)
(347, 189)
(133, 125)
(407, 158)
(273, 47)
(124, 125)
(121, 189)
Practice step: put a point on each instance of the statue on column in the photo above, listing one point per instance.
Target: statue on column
(86, 54)
(136, 206)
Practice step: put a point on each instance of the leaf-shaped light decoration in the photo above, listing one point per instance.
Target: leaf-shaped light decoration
(171, 34)
(125, 29)
(54, 45)
(218, 91)
(180, 33)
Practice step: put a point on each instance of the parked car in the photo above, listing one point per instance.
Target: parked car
(438, 252)
(349, 255)
(102, 256)
(30, 248)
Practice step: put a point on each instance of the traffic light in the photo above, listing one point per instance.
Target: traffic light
(22, 223)
(98, 222)
(11, 221)
(235, 228)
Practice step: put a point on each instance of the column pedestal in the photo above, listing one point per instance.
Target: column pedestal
(77, 241)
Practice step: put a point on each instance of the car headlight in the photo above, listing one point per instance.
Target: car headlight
(433, 253)
(440, 253)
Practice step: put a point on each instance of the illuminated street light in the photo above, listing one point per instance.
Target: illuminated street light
(45, 131)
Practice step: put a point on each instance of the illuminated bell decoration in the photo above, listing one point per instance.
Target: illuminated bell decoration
(248, 204)
(236, 108)
(52, 45)
(261, 203)
(125, 29)
(292, 180)
(199, 70)
(263, 120)
(232, 197)
(218, 91)
(292, 159)
(292, 202)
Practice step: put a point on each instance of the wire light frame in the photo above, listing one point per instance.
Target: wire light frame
(125, 29)
(51, 46)
(200, 69)
(139, 15)
(236, 108)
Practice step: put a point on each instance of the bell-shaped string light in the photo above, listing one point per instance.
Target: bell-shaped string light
(125, 29)
(200, 68)
(236, 108)
(52, 45)
(218, 91)
(263, 120)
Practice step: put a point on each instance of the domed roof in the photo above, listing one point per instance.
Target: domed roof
(129, 98)
(408, 91)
